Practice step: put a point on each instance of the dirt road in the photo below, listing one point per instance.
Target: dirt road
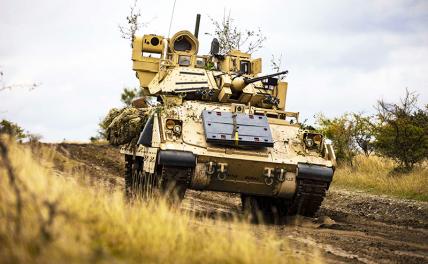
(352, 227)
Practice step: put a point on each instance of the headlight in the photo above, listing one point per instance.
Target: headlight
(177, 129)
(309, 142)
(170, 124)
(174, 125)
(317, 139)
(312, 140)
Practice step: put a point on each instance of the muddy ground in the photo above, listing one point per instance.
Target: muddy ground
(351, 227)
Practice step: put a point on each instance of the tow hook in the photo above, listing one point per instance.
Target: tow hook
(280, 174)
(211, 168)
(222, 171)
(268, 176)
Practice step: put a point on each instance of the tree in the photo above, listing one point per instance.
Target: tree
(340, 131)
(402, 133)
(133, 24)
(12, 129)
(33, 138)
(128, 94)
(363, 133)
(230, 37)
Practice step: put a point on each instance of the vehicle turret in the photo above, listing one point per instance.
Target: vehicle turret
(173, 66)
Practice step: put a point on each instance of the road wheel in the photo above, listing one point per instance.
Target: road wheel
(128, 176)
(308, 198)
(252, 209)
(139, 184)
(174, 183)
(150, 185)
(266, 210)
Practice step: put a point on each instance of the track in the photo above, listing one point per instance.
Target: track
(351, 227)
(309, 197)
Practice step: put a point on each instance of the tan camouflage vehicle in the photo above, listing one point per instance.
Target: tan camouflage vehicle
(214, 124)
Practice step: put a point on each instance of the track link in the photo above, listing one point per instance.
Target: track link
(174, 182)
(308, 198)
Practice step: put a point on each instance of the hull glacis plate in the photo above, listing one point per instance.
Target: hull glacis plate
(236, 129)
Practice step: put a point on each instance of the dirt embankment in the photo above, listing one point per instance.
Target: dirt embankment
(99, 163)
(352, 227)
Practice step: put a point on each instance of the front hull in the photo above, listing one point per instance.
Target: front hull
(260, 170)
(234, 173)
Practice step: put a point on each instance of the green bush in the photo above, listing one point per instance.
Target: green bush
(128, 94)
(12, 129)
(341, 131)
(402, 132)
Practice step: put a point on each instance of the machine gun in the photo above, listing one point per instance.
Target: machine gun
(238, 83)
(269, 77)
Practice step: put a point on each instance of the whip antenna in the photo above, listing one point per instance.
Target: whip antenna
(172, 16)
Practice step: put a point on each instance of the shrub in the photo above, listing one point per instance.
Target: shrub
(402, 132)
(128, 94)
(363, 132)
(12, 129)
(341, 131)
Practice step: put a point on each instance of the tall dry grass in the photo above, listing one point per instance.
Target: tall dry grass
(63, 220)
(375, 174)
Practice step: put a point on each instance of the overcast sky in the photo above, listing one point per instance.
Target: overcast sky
(341, 55)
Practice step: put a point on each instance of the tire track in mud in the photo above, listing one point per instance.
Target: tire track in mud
(351, 227)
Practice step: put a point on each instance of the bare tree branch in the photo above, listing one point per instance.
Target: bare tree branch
(386, 111)
(230, 37)
(30, 86)
(4, 86)
(133, 24)
(276, 65)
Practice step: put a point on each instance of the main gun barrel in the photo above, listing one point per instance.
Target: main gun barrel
(256, 79)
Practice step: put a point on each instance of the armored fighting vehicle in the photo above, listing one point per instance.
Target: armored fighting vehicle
(215, 124)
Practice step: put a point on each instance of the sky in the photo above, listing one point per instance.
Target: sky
(342, 56)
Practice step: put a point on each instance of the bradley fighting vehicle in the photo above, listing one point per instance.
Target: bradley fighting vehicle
(217, 125)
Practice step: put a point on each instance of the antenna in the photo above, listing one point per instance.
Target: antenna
(198, 21)
(172, 16)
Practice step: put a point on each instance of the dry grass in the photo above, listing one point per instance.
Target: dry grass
(64, 220)
(374, 174)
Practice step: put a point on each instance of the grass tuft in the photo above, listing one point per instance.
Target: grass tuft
(376, 175)
(64, 220)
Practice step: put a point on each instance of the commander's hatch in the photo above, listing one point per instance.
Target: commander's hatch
(236, 129)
